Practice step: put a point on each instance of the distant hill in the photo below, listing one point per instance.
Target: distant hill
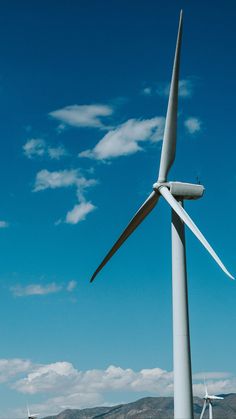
(150, 408)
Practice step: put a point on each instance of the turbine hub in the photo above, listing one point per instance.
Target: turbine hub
(181, 190)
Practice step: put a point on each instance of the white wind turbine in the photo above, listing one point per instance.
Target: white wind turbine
(30, 415)
(174, 193)
(208, 401)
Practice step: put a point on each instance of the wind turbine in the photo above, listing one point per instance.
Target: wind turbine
(31, 416)
(174, 193)
(208, 401)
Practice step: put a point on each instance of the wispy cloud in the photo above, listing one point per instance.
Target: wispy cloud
(35, 289)
(83, 115)
(186, 87)
(13, 367)
(56, 153)
(71, 285)
(127, 138)
(34, 147)
(147, 91)
(42, 289)
(192, 125)
(4, 224)
(64, 179)
(58, 179)
(79, 212)
(73, 388)
(37, 147)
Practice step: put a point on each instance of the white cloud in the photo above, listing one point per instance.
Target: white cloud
(64, 179)
(34, 147)
(60, 385)
(126, 138)
(71, 285)
(52, 180)
(4, 224)
(82, 115)
(185, 88)
(48, 377)
(12, 367)
(37, 147)
(63, 377)
(79, 212)
(55, 153)
(61, 179)
(192, 125)
(39, 289)
(35, 289)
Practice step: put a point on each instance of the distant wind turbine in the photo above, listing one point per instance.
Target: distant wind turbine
(30, 415)
(174, 193)
(208, 401)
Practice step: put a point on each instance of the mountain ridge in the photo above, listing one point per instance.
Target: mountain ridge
(151, 408)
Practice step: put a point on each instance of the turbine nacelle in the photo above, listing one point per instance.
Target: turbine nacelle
(209, 398)
(181, 190)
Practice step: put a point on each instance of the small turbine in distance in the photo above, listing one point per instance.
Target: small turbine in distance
(208, 401)
(30, 415)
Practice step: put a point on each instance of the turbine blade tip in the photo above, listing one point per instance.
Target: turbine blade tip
(93, 276)
(229, 275)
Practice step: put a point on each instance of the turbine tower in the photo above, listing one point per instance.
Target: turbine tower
(174, 193)
(208, 401)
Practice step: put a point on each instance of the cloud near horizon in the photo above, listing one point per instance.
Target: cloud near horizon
(61, 385)
(127, 138)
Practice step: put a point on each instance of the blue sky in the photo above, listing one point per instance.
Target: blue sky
(83, 88)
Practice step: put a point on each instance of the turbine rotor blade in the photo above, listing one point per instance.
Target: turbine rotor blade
(142, 213)
(169, 139)
(206, 392)
(203, 409)
(164, 191)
